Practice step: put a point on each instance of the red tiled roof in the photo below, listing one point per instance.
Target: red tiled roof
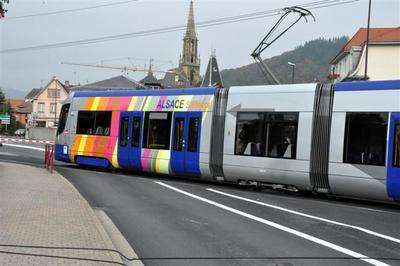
(375, 35)
(14, 103)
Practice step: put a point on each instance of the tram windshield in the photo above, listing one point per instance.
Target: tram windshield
(63, 118)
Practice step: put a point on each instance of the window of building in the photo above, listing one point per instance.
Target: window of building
(63, 118)
(41, 107)
(53, 108)
(94, 123)
(136, 132)
(123, 135)
(396, 152)
(178, 133)
(40, 123)
(267, 134)
(53, 93)
(157, 130)
(365, 138)
(193, 134)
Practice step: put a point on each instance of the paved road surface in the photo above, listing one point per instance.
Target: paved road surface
(177, 222)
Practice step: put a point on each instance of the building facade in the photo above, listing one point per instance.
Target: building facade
(46, 104)
(383, 56)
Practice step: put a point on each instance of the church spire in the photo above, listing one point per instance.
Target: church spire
(190, 28)
(190, 62)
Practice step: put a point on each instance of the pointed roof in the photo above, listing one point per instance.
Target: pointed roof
(32, 94)
(212, 76)
(114, 83)
(150, 78)
(190, 28)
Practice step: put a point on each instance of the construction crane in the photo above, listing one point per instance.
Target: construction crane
(122, 68)
(266, 42)
(127, 69)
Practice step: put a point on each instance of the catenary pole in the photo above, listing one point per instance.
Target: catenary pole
(367, 41)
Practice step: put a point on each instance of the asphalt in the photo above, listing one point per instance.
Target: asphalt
(166, 227)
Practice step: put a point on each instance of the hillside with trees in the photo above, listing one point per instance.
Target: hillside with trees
(311, 59)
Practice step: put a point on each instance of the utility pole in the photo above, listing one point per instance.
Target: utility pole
(367, 42)
(293, 65)
(55, 101)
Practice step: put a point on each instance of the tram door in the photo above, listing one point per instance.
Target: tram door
(186, 143)
(130, 139)
(393, 168)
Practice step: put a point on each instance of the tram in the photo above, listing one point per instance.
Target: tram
(341, 139)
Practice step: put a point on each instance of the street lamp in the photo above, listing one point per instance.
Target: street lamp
(293, 65)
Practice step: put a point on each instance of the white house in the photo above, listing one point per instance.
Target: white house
(383, 56)
(46, 103)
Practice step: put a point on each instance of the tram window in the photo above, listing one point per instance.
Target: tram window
(178, 134)
(281, 135)
(396, 152)
(63, 118)
(136, 132)
(193, 134)
(102, 123)
(94, 123)
(267, 134)
(249, 134)
(85, 123)
(157, 130)
(123, 135)
(365, 138)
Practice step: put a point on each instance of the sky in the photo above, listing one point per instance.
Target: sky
(233, 42)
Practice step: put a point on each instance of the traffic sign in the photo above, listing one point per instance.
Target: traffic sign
(5, 119)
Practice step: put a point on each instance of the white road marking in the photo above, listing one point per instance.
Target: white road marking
(23, 146)
(396, 240)
(8, 154)
(374, 210)
(281, 227)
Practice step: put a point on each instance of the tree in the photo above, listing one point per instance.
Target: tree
(2, 102)
(5, 109)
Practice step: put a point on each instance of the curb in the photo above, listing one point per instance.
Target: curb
(99, 224)
(27, 140)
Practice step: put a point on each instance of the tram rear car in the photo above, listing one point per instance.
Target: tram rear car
(342, 139)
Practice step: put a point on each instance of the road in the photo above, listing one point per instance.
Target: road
(172, 221)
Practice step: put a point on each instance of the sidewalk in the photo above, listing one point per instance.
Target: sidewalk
(42, 209)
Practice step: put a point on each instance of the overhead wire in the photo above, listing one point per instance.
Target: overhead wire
(68, 10)
(203, 24)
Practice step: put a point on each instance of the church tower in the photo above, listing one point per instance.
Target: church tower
(190, 61)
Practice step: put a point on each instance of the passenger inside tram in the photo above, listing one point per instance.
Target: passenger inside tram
(396, 160)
